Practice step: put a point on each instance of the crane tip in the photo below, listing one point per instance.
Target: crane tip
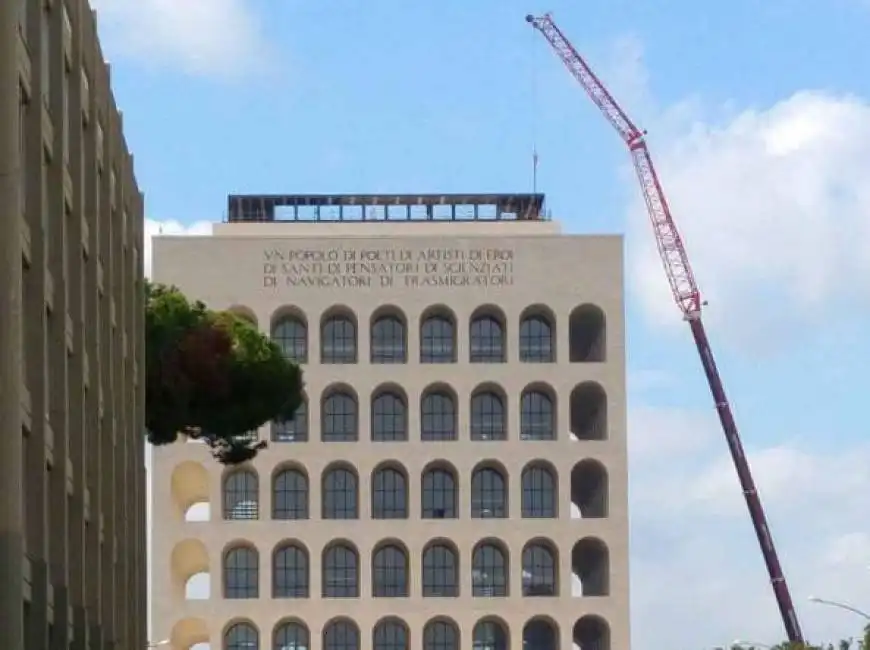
(530, 18)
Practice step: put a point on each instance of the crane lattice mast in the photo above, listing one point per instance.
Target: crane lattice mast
(686, 295)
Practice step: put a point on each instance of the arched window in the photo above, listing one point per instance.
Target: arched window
(241, 495)
(539, 493)
(438, 411)
(290, 495)
(489, 572)
(539, 571)
(338, 340)
(487, 343)
(340, 572)
(293, 430)
(290, 572)
(340, 418)
(291, 335)
(488, 420)
(390, 572)
(440, 635)
(389, 494)
(540, 634)
(389, 418)
(340, 494)
(536, 340)
(341, 635)
(390, 634)
(292, 636)
(489, 635)
(242, 636)
(440, 572)
(537, 416)
(388, 340)
(438, 340)
(440, 496)
(241, 573)
(488, 494)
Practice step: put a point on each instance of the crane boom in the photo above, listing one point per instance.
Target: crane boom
(686, 295)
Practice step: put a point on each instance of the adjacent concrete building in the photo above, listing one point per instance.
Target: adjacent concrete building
(72, 477)
(457, 477)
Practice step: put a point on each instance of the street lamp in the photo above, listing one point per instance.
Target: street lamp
(834, 603)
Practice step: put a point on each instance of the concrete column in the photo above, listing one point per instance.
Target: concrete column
(11, 486)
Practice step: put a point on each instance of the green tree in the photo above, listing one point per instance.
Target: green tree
(211, 376)
(843, 644)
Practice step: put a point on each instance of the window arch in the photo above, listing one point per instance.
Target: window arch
(241, 573)
(440, 634)
(440, 495)
(488, 494)
(341, 635)
(438, 338)
(438, 416)
(340, 571)
(536, 339)
(290, 567)
(540, 492)
(540, 570)
(290, 494)
(490, 634)
(389, 339)
(489, 571)
(487, 339)
(541, 633)
(291, 335)
(292, 636)
(295, 429)
(241, 495)
(389, 417)
(488, 421)
(389, 493)
(338, 339)
(390, 572)
(340, 417)
(587, 334)
(390, 634)
(340, 494)
(440, 571)
(241, 636)
(537, 416)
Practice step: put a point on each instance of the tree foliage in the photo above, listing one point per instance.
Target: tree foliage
(862, 643)
(211, 376)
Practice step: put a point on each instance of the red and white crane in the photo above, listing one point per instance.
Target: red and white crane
(685, 292)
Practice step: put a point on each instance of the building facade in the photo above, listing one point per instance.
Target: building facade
(457, 476)
(72, 476)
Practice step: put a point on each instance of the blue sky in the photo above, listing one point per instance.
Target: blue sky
(759, 116)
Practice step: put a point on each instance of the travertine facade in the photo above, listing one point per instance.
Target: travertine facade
(457, 478)
(72, 476)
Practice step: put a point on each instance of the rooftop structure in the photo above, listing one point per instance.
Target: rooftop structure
(385, 207)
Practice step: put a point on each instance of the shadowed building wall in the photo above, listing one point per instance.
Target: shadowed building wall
(72, 478)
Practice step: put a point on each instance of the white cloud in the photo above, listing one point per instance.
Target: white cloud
(170, 227)
(697, 574)
(205, 37)
(773, 205)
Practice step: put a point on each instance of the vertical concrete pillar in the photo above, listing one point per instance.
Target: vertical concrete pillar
(11, 488)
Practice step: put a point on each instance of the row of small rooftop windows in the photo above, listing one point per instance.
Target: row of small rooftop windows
(439, 414)
(589, 632)
(439, 334)
(439, 492)
(440, 570)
